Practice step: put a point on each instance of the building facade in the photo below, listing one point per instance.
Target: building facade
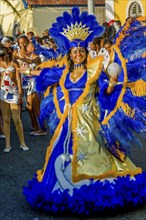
(38, 15)
(122, 9)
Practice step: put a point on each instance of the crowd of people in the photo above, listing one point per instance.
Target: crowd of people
(21, 54)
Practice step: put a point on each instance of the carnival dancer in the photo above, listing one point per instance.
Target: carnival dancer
(20, 54)
(33, 98)
(26, 61)
(11, 98)
(87, 169)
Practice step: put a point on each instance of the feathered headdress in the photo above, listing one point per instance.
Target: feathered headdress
(74, 29)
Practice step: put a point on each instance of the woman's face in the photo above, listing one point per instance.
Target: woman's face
(22, 42)
(30, 48)
(78, 55)
(8, 44)
(108, 47)
(92, 46)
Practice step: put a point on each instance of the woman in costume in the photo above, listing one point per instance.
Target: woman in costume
(28, 82)
(11, 97)
(87, 169)
(33, 98)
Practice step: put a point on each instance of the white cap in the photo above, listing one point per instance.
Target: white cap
(5, 39)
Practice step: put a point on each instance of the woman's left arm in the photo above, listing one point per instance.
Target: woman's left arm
(19, 83)
(109, 91)
(112, 83)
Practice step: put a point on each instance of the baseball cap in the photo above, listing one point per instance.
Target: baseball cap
(111, 22)
(5, 39)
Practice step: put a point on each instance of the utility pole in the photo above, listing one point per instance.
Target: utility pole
(91, 7)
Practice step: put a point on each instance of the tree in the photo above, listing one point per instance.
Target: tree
(11, 6)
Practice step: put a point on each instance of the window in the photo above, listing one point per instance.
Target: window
(16, 29)
(1, 32)
(134, 10)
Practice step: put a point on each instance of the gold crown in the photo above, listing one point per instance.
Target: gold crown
(76, 31)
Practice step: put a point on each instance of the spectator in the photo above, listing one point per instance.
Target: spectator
(1, 120)
(52, 44)
(117, 25)
(6, 41)
(11, 98)
(46, 42)
(94, 47)
(111, 30)
(46, 33)
(33, 98)
(30, 35)
(107, 45)
(20, 55)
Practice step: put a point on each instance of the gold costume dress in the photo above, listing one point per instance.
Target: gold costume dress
(88, 155)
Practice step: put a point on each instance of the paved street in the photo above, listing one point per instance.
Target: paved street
(17, 167)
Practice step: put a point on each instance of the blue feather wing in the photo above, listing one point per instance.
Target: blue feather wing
(46, 52)
(124, 111)
(48, 113)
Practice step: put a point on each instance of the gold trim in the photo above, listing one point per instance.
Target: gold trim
(47, 92)
(59, 114)
(75, 175)
(76, 31)
(128, 110)
(138, 88)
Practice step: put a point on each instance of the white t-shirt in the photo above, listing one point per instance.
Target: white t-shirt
(102, 52)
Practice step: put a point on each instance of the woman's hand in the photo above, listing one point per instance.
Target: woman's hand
(35, 72)
(112, 83)
(25, 69)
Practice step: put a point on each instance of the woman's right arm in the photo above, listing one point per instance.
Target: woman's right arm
(47, 77)
(35, 72)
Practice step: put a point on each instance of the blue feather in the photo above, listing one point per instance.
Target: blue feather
(83, 16)
(62, 23)
(48, 77)
(67, 18)
(48, 53)
(75, 14)
(100, 197)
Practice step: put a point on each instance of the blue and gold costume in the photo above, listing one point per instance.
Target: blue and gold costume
(87, 169)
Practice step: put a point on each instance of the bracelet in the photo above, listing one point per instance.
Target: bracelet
(27, 72)
(112, 84)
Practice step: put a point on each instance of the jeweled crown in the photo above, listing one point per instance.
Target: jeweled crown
(76, 31)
